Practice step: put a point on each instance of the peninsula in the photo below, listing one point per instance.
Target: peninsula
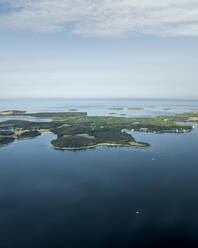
(77, 130)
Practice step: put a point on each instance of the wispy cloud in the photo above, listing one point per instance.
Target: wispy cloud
(103, 17)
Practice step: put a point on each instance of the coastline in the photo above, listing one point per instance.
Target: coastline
(138, 145)
(71, 133)
(2, 145)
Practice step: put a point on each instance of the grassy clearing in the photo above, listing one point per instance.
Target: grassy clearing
(86, 135)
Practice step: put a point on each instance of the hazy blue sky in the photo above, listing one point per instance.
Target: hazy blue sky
(99, 48)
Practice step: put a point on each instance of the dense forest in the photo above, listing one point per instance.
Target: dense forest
(77, 130)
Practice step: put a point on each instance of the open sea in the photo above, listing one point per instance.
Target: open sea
(106, 197)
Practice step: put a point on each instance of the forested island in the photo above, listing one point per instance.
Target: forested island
(77, 130)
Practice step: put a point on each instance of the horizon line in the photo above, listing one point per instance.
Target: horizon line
(98, 98)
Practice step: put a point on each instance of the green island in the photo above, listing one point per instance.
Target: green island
(116, 108)
(166, 109)
(135, 108)
(72, 109)
(77, 130)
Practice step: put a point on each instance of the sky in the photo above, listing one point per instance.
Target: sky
(99, 48)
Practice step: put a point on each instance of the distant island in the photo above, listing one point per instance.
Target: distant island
(129, 108)
(73, 110)
(167, 109)
(116, 108)
(135, 108)
(76, 130)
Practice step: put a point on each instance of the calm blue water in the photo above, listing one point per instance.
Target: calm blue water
(103, 197)
(101, 106)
